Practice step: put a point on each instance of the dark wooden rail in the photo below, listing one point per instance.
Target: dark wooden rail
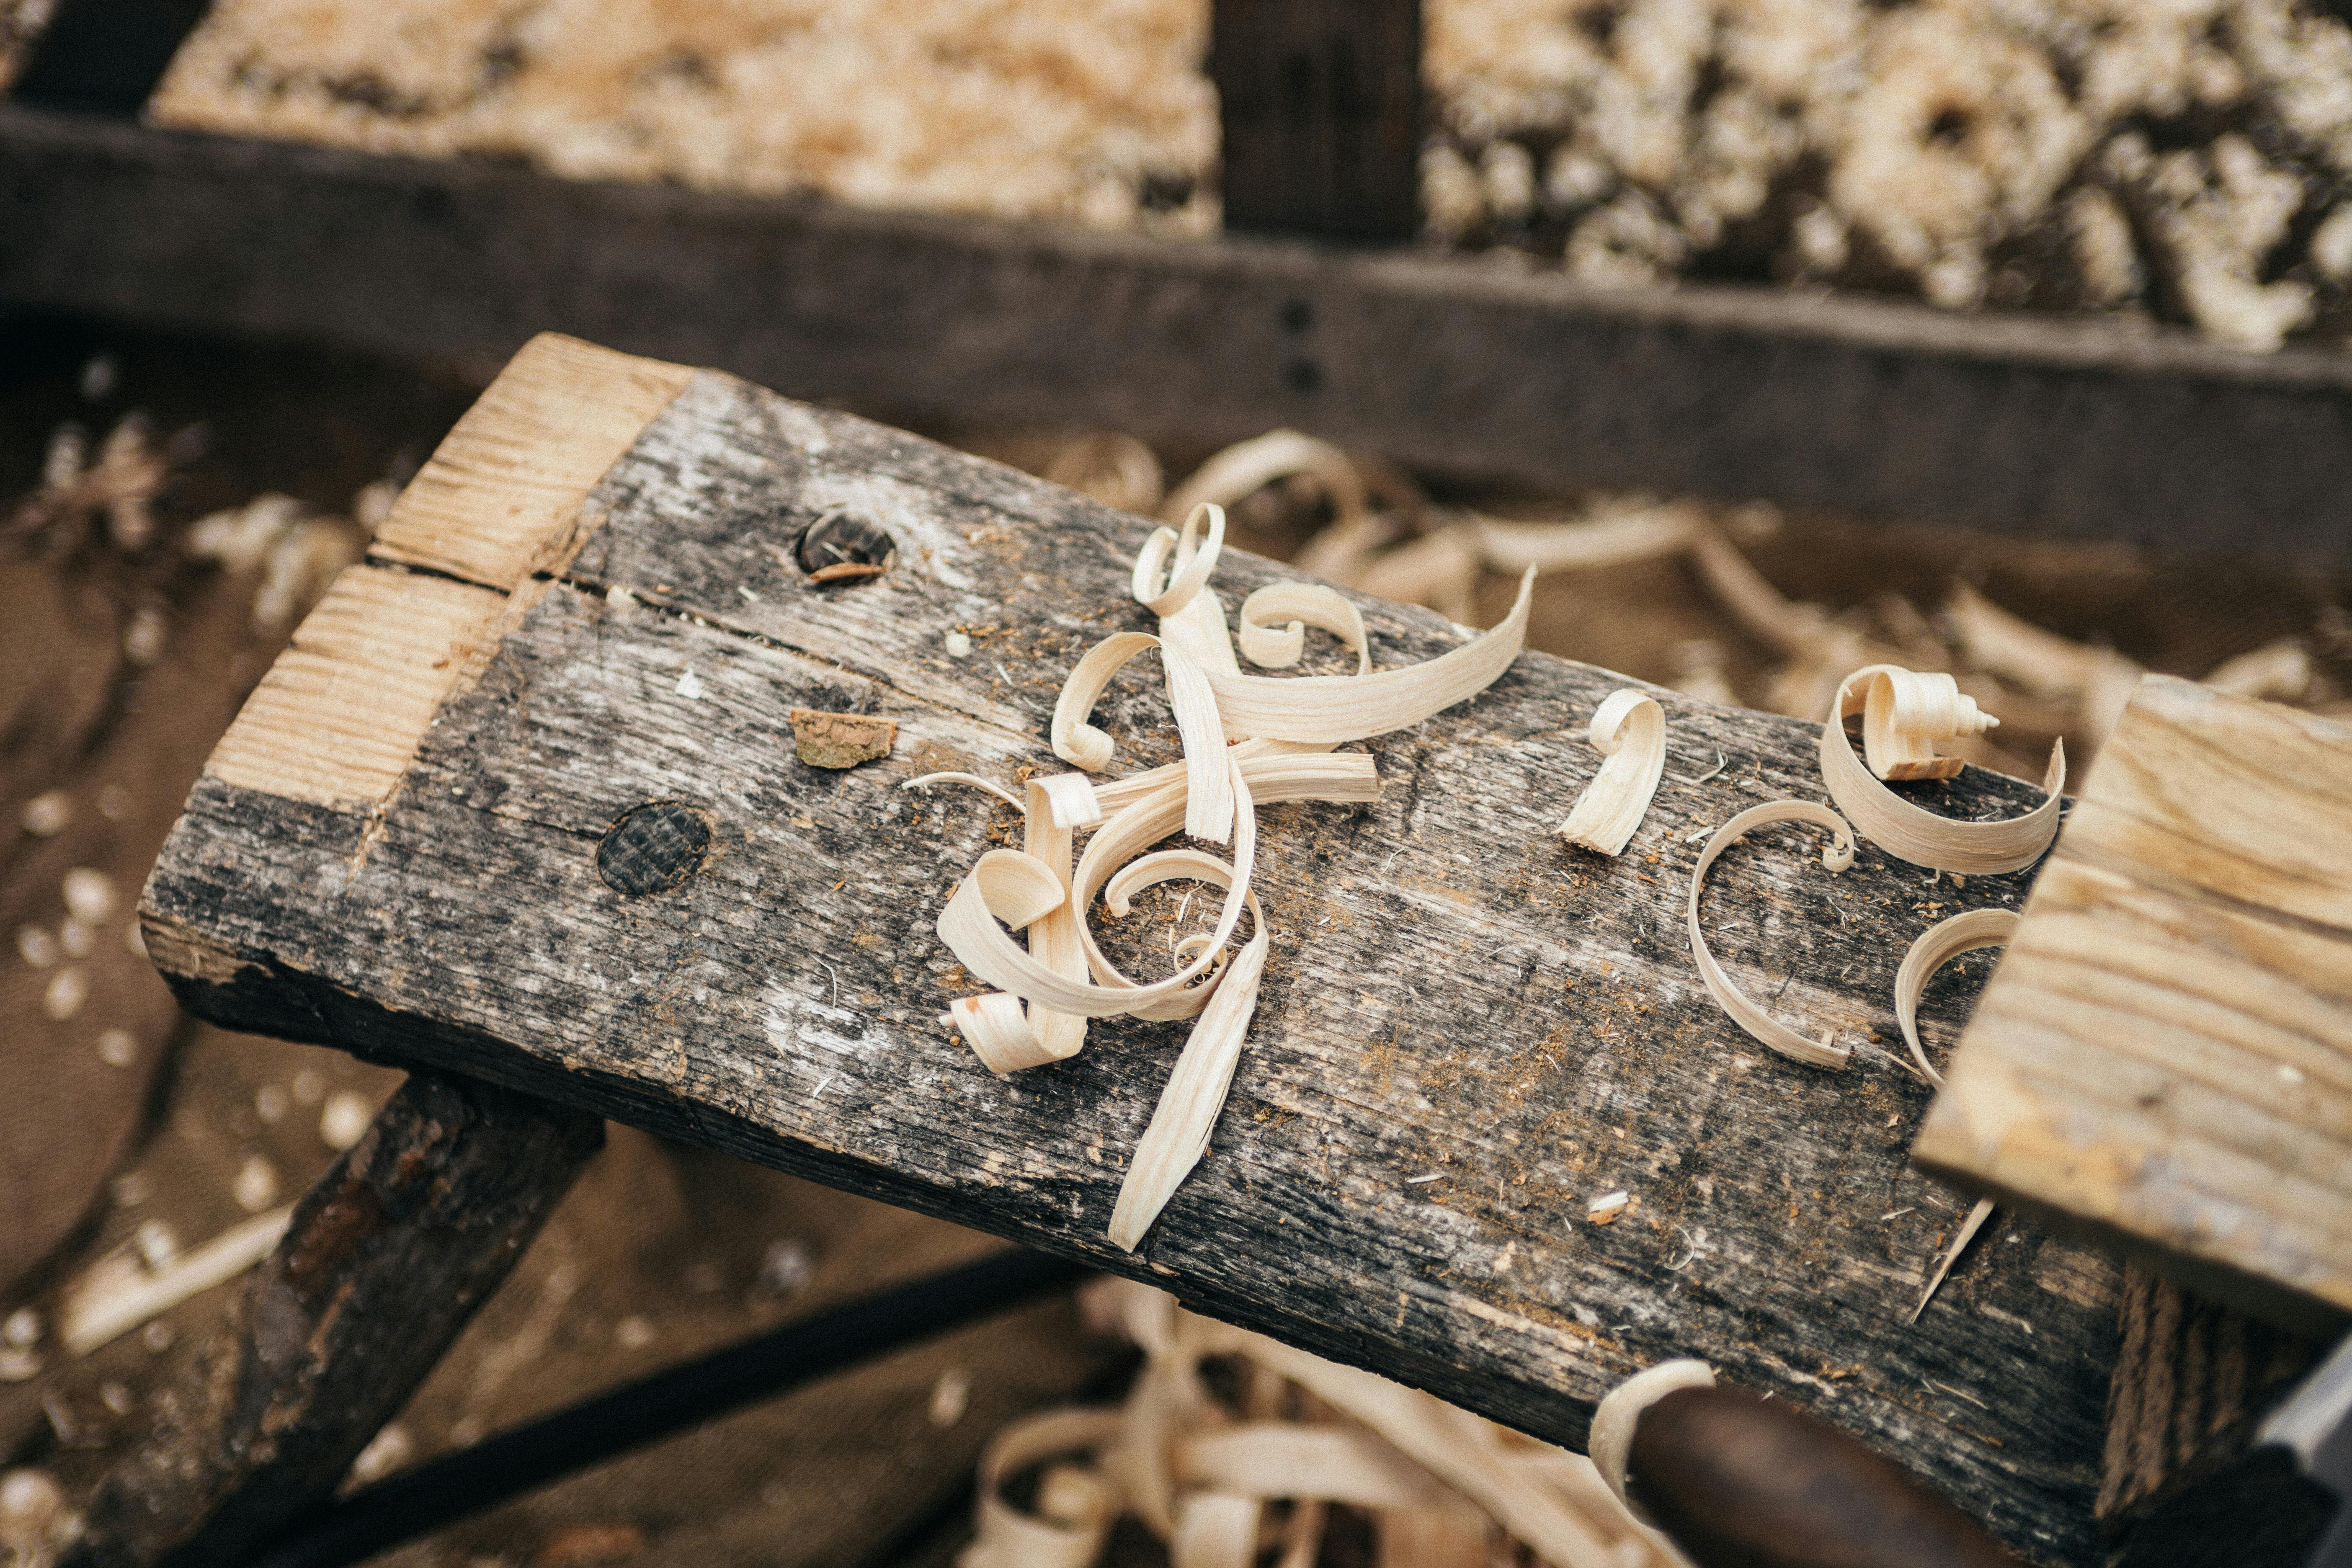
(1449, 364)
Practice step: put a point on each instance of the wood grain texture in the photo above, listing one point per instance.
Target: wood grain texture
(2184, 1484)
(339, 714)
(2165, 1058)
(500, 496)
(384, 1262)
(1468, 1031)
(1444, 365)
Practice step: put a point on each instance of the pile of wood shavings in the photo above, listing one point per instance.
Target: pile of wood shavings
(1090, 113)
(1367, 526)
(1246, 740)
(2188, 163)
(1225, 1479)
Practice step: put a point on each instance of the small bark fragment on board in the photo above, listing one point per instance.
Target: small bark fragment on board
(842, 740)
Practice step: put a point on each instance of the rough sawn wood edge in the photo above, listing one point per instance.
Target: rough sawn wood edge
(338, 717)
(2155, 1065)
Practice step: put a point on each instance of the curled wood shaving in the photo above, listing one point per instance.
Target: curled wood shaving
(1571, 546)
(1209, 811)
(2097, 681)
(1302, 605)
(1937, 946)
(1110, 466)
(1837, 857)
(1251, 464)
(1611, 1438)
(116, 1295)
(1904, 712)
(1629, 730)
(1172, 567)
(1405, 1454)
(1178, 1134)
(1337, 708)
(2277, 671)
(1934, 948)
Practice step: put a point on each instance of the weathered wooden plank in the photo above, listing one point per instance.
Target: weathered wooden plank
(1468, 1031)
(1447, 364)
(2162, 1058)
(1318, 113)
(384, 1262)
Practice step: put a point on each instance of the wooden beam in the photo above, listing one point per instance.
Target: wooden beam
(384, 1262)
(1468, 1032)
(1319, 104)
(104, 57)
(2161, 1058)
(1449, 366)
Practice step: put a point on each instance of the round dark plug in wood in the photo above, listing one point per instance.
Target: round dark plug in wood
(653, 847)
(1739, 1482)
(838, 548)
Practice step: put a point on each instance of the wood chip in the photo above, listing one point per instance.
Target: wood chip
(841, 740)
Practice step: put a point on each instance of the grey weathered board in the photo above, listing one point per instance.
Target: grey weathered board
(1453, 366)
(1451, 992)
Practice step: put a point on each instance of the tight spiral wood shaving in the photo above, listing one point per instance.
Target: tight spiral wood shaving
(1934, 947)
(1224, 1481)
(1629, 731)
(1904, 713)
(1759, 1024)
(1246, 740)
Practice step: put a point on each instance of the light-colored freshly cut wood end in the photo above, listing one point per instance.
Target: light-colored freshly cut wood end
(339, 717)
(2164, 1057)
(500, 496)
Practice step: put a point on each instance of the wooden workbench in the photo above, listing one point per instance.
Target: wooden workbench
(587, 602)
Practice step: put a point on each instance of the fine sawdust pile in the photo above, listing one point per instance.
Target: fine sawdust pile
(2184, 161)
(1091, 113)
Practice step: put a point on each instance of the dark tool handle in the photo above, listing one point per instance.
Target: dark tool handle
(1742, 1483)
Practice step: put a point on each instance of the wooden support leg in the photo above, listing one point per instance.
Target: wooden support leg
(2183, 1486)
(387, 1260)
(1320, 108)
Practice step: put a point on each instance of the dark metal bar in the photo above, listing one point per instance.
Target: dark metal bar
(432, 1495)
